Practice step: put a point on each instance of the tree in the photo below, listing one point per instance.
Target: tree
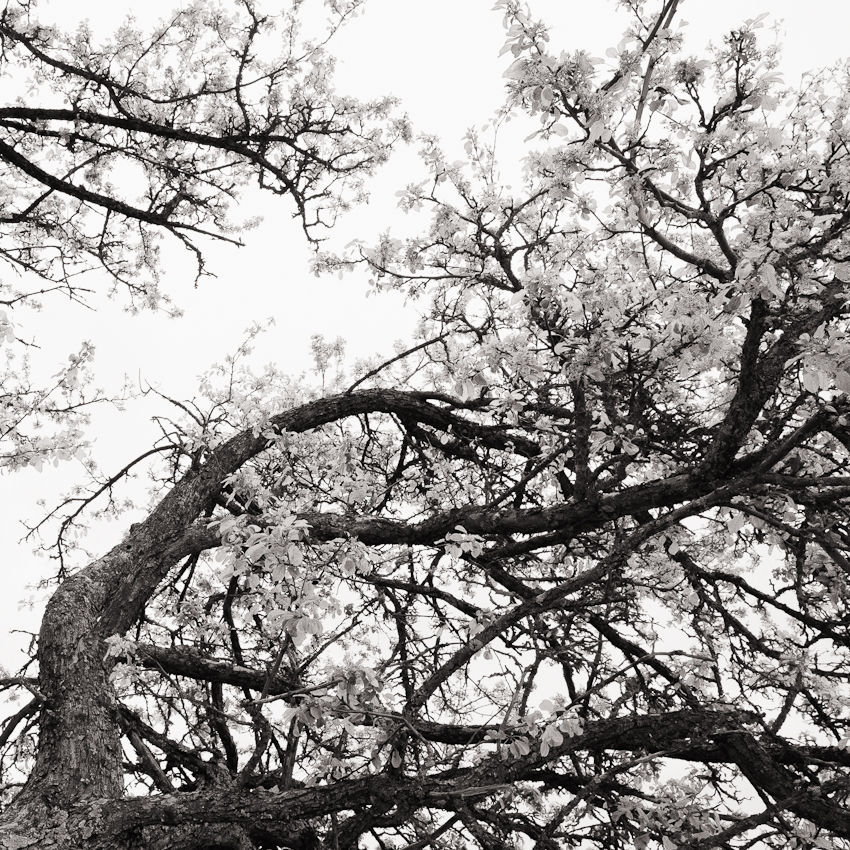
(571, 571)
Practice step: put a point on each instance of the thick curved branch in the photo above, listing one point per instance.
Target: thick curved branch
(195, 665)
(690, 734)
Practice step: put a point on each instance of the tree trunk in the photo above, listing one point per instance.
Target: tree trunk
(79, 753)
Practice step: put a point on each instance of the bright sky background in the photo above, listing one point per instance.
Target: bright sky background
(441, 59)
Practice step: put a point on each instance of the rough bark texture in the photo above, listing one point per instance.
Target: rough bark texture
(79, 756)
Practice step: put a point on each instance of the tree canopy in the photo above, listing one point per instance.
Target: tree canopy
(112, 148)
(568, 571)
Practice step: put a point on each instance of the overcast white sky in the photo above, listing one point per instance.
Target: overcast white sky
(441, 58)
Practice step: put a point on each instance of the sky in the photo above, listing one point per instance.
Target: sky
(441, 59)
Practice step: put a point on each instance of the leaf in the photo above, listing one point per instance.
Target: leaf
(553, 735)
(515, 70)
(811, 380)
(732, 304)
(842, 381)
(595, 131)
(768, 275)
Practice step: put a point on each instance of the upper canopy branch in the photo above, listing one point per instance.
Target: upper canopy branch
(220, 112)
